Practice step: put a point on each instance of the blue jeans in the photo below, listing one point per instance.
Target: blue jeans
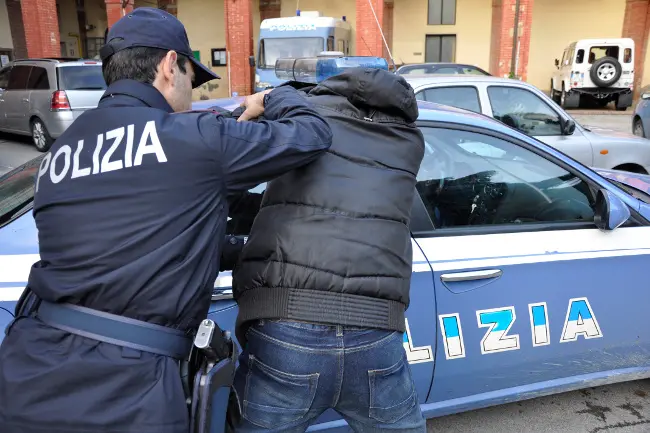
(291, 372)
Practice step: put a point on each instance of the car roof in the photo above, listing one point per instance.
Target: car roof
(428, 111)
(420, 80)
(55, 61)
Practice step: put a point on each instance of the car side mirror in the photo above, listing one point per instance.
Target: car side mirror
(557, 62)
(610, 211)
(568, 126)
(251, 61)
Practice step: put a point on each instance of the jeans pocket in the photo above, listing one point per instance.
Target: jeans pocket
(392, 392)
(273, 398)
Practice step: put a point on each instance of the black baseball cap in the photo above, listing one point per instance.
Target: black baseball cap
(154, 28)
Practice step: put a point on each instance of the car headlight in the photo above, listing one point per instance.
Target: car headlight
(645, 95)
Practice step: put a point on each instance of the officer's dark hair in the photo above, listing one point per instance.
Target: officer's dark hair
(137, 63)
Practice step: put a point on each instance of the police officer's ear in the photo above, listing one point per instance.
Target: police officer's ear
(169, 66)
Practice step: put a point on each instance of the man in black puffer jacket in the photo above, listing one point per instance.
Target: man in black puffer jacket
(323, 280)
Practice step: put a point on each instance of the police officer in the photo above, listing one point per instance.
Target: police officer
(131, 205)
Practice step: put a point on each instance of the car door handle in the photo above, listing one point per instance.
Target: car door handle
(470, 276)
(25, 99)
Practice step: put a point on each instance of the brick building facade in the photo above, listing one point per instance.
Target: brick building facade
(35, 32)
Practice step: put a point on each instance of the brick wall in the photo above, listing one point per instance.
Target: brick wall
(368, 38)
(14, 11)
(114, 10)
(636, 22)
(41, 24)
(171, 6)
(387, 27)
(270, 9)
(503, 23)
(239, 43)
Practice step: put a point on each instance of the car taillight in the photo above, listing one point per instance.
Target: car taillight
(59, 101)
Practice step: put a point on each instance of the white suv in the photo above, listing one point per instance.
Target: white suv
(595, 70)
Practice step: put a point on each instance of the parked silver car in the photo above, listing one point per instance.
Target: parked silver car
(42, 97)
(525, 107)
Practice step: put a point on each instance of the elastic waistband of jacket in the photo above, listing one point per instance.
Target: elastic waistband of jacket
(320, 307)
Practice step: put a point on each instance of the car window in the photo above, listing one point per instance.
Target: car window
(4, 78)
(598, 52)
(473, 179)
(580, 57)
(414, 71)
(81, 78)
(465, 97)
(18, 77)
(472, 71)
(521, 109)
(446, 70)
(38, 79)
(627, 55)
(17, 190)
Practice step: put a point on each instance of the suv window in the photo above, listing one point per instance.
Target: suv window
(581, 56)
(598, 52)
(81, 78)
(521, 109)
(18, 77)
(473, 179)
(4, 78)
(465, 97)
(38, 79)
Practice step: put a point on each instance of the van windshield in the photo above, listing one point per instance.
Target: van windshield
(276, 48)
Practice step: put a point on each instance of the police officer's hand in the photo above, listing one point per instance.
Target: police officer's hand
(254, 105)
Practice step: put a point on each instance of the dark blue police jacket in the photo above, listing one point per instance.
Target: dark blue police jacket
(131, 205)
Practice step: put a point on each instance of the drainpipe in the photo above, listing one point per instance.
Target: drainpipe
(515, 42)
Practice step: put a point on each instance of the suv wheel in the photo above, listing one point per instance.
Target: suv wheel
(605, 71)
(569, 99)
(40, 136)
(555, 95)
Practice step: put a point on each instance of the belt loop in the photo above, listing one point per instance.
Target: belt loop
(339, 330)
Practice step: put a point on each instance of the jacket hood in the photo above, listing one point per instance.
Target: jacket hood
(376, 89)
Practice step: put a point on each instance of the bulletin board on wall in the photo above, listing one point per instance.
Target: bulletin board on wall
(6, 56)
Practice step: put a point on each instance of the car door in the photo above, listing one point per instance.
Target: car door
(16, 99)
(4, 82)
(420, 335)
(530, 295)
(534, 115)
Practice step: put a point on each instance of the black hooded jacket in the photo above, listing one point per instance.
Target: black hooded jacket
(331, 242)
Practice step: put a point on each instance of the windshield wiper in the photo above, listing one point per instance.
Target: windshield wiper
(88, 88)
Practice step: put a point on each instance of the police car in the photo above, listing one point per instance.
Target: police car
(530, 270)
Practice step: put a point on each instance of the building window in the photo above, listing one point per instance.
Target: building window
(442, 12)
(440, 48)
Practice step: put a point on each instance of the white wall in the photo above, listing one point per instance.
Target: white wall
(5, 32)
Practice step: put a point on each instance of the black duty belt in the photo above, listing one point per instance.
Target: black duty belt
(114, 329)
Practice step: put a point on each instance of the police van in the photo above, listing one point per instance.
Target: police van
(305, 35)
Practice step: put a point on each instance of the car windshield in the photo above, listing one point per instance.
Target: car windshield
(17, 191)
(81, 78)
(276, 48)
(634, 192)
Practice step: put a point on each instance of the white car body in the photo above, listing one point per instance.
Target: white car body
(530, 110)
(584, 73)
